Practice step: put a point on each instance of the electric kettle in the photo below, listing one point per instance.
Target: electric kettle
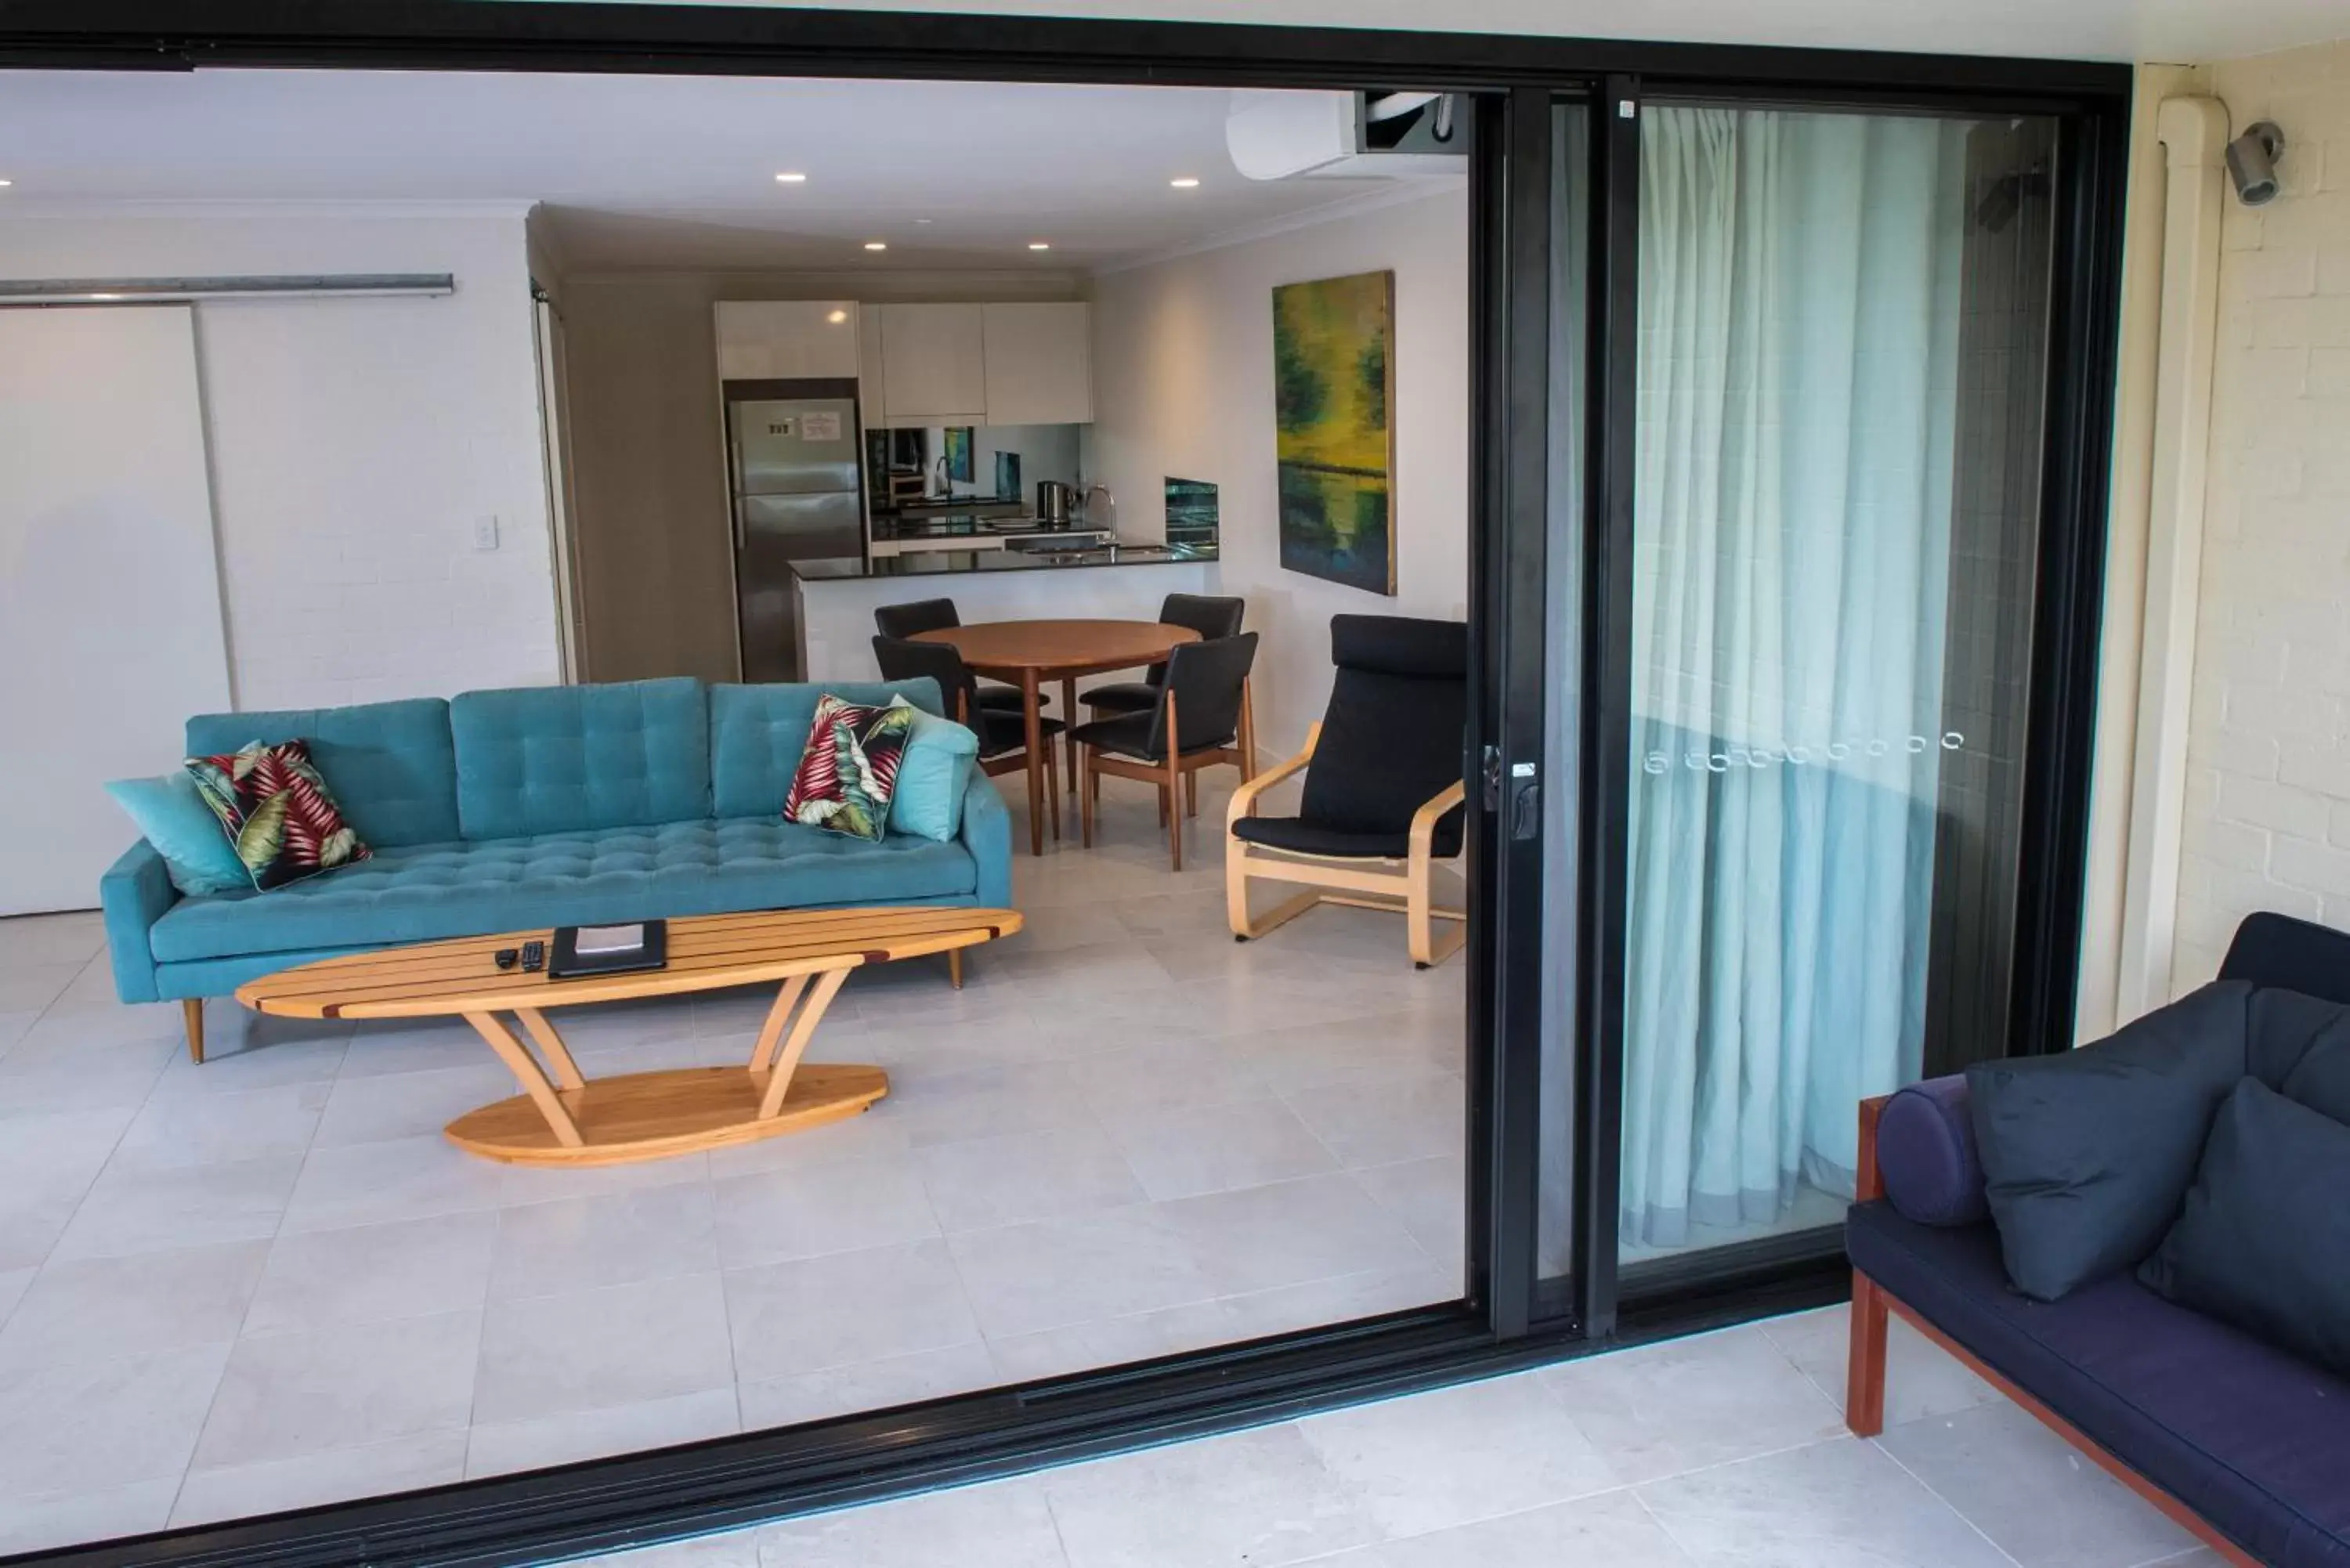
(1054, 500)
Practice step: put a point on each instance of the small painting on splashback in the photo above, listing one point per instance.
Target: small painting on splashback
(1334, 386)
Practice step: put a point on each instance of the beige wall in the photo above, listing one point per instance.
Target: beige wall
(2268, 804)
(1183, 386)
(649, 455)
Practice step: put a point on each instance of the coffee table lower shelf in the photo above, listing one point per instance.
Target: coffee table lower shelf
(652, 1116)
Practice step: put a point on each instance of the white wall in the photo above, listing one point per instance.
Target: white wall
(1183, 386)
(2268, 807)
(648, 459)
(354, 442)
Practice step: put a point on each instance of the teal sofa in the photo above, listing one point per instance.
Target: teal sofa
(501, 811)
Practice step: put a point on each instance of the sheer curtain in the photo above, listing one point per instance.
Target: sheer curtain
(1799, 332)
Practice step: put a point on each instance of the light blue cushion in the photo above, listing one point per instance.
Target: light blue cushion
(421, 892)
(171, 815)
(573, 759)
(390, 766)
(757, 733)
(932, 774)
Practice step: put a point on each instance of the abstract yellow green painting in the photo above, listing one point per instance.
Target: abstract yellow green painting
(1333, 387)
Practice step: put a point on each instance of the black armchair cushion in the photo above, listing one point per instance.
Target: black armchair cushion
(1005, 698)
(1302, 837)
(1392, 737)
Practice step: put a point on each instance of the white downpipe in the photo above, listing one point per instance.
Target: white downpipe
(2193, 132)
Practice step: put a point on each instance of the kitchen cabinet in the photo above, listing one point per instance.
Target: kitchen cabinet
(787, 339)
(935, 364)
(1039, 363)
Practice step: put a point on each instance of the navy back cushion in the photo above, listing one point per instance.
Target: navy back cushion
(2086, 1155)
(2264, 1240)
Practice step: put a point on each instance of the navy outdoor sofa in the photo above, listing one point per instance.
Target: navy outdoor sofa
(2244, 1444)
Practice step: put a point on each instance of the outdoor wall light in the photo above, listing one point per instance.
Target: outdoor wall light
(2252, 162)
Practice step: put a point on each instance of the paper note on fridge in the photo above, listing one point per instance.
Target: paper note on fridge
(819, 425)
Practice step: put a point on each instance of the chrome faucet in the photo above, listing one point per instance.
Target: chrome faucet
(1086, 506)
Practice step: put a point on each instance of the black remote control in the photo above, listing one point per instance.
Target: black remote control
(533, 956)
(506, 958)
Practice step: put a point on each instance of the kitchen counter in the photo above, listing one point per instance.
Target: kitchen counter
(949, 562)
(836, 596)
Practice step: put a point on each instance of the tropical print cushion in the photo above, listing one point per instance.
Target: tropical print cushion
(277, 812)
(850, 766)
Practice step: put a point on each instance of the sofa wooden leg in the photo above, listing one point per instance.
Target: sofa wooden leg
(954, 967)
(1864, 1382)
(192, 1009)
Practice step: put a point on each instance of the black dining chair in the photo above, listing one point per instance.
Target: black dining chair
(935, 615)
(1211, 617)
(1200, 719)
(1382, 802)
(1003, 736)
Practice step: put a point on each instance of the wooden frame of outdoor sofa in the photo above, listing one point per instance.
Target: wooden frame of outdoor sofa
(1406, 892)
(1865, 1375)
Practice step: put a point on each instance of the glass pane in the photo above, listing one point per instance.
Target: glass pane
(1563, 655)
(1842, 348)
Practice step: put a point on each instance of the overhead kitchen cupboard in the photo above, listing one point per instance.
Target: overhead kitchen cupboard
(787, 339)
(1039, 363)
(935, 364)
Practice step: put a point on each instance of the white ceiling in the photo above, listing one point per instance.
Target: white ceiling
(670, 171)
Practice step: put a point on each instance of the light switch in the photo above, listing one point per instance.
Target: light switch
(486, 533)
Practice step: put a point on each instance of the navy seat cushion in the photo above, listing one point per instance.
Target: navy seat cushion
(392, 766)
(2264, 1240)
(424, 892)
(2253, 1440)
(2087, 1154)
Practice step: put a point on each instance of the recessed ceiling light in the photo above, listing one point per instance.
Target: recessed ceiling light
(791, 177)
(837, 316)
(1039, 245)
(6, 183)
(922, 220)
(1185, 181)
(876, 244)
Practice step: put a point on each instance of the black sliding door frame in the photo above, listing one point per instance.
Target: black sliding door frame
(1508, 1316)
(2075, 461)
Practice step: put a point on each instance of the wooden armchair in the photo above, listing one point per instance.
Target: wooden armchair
(1384, 789)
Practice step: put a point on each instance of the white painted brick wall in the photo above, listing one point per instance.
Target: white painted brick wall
(353, 442)
(2268, 807)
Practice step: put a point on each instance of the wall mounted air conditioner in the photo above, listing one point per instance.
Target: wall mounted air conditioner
(1347, 135)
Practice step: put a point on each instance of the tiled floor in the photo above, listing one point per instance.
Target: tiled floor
(268, 1281)
(1722, 1452)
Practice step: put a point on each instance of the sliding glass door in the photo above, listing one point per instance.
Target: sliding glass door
(1841, 360)
(1793, 633)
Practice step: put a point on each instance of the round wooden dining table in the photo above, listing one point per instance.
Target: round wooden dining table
(1027, 653)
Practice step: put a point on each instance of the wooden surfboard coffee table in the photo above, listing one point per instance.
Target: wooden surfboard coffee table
(571, 1120)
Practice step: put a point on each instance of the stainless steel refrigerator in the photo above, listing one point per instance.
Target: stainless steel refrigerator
(793, 452)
